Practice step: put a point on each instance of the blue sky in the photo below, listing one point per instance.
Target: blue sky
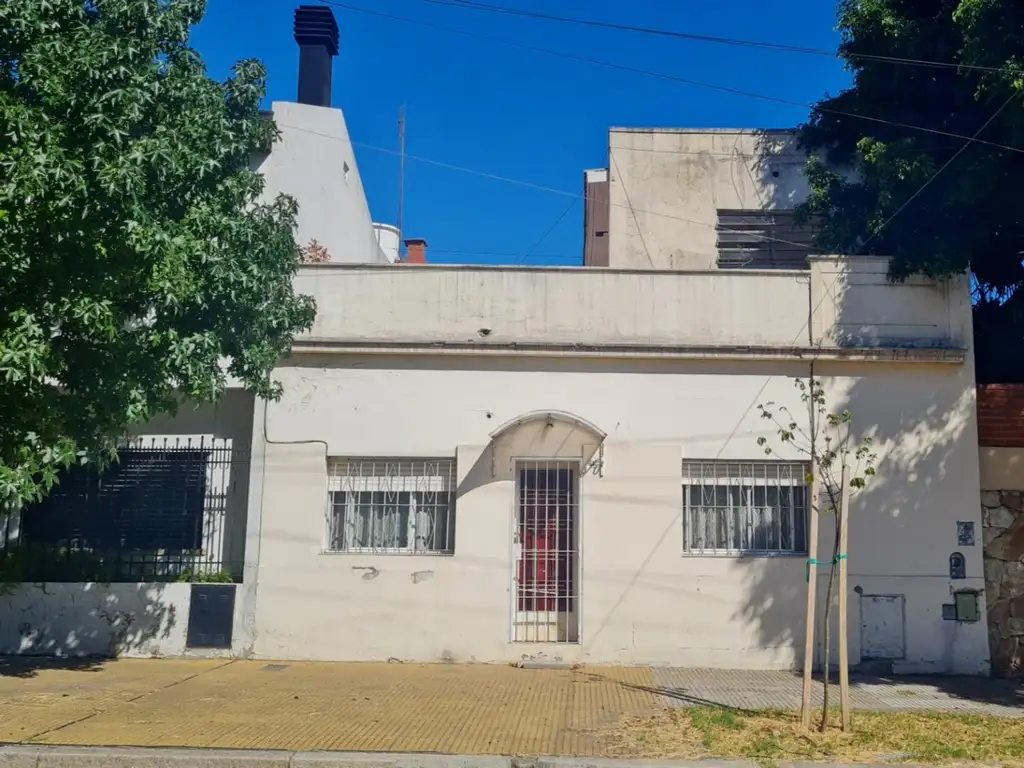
(525, 115)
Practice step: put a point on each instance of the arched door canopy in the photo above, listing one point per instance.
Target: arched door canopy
(553, 417)
(548, 434)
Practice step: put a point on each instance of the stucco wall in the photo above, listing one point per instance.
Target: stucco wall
(435, 303)
(230, 419)
(845, 302)
(314, 162)
(856, 305)
(666, 186)
(1001, 468)
(643, 601)
(90, 619)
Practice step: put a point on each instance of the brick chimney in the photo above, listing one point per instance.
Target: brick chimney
(316, 32)
(415, 251)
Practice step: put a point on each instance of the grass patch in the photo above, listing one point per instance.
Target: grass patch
(768, 737)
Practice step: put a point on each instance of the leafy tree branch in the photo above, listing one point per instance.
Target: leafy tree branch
(142, 264)
(862, 173)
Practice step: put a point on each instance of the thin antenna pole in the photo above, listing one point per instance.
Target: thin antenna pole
(401, 180)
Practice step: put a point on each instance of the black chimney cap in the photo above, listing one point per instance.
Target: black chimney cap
(315, 25)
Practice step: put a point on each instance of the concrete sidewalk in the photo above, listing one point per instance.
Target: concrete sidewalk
(450, 709)
(68, 757)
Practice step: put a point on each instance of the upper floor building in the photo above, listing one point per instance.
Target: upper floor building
(690, 249)
(697, 199)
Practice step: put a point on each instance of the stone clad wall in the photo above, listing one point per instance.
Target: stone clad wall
(1003, 536)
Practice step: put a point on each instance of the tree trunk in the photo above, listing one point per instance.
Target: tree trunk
(828, 622)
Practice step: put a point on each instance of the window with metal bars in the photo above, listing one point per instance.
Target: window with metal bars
(391, 505)
(761, 239)
(147, 500)
(739, 508)
(159, 512)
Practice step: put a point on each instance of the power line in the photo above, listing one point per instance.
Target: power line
(828, 290)
(576, 197)
(968, 139)
(733, 41)
(824, 294)
(935, 175)
(664, 76)
(531, 185)
(632, 211)
(549, 230)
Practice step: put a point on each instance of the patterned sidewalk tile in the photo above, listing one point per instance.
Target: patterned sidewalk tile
(455, 709)
(749, 689)
(351, 707)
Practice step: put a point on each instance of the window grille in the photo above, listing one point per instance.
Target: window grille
(399, 506)
(762, 240)
(732, 508)
(165, 510)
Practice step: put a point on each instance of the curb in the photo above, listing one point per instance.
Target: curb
(124, 757)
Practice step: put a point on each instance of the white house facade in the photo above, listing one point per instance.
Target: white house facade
(482, 464)
(486, 464)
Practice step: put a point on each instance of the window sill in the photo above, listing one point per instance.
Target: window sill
(382, 553)
(750, 555)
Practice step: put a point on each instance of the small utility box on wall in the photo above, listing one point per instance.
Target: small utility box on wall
(211, 616)
(883, 627)
(966, 605)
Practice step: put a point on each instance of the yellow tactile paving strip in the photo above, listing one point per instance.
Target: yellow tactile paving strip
(35, 699)
(478, 709)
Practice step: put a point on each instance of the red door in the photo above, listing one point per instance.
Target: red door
(546, 537)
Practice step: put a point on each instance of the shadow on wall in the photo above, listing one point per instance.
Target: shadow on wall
(904, 524)
(79, 622)
(777, 170)
(925, 449)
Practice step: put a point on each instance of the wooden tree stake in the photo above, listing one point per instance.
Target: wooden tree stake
(812, 589)
(844, 537)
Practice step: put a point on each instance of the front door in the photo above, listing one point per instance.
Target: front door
(546, 552)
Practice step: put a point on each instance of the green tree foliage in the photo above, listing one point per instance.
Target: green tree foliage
(135, 253)
(971, 215)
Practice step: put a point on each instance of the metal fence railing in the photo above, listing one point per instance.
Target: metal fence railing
(166, 510)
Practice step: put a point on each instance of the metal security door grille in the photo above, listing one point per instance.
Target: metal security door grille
(545, 539)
